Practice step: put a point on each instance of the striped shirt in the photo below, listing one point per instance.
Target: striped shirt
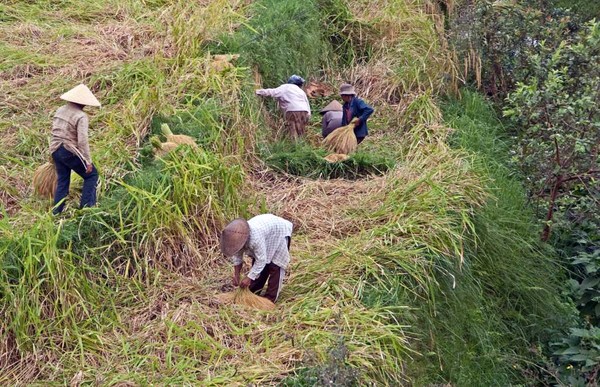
(70, 128)
(267, 243)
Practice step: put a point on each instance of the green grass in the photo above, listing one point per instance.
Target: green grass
(505, 300)
(302, 159)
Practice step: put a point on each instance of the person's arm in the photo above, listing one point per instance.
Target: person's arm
(237, 268)
(364, 111)
(275, 93)
(259, 250)
(83, 142)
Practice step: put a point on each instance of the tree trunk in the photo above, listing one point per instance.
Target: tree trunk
(553, 196)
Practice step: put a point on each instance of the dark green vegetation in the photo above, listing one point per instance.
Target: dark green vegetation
(540, 65)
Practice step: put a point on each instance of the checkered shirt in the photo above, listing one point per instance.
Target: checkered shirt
(267, 243)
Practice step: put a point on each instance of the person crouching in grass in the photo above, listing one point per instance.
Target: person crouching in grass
(266, 239)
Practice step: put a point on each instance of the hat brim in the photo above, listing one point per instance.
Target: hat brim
(230, 249)
(80, 94)
(234, 237)
(333, 106)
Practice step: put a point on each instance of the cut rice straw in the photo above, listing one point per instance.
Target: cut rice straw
(44, 180)
(246, 298)
(342, 140)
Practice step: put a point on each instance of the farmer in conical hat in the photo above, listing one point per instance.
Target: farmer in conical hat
(355, 107)
(70, 148)
(332, 117)
(266, 239)
(294, 103)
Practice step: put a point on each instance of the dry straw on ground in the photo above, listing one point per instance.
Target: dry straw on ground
(342, 140)
(336, 157)
(44, 180)
(178, 139)
(163, 148)
(246, 298)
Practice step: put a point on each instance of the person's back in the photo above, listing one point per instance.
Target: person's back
(290, 97)
(294, 103)
(332, 117)
(330, 122)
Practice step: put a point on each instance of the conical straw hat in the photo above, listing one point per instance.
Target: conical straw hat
(234, 236)
(334, 106)
(82, 95)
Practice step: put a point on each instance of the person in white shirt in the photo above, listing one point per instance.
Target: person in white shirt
(294, 103)
(266, 239)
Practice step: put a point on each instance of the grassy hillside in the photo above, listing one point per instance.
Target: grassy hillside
(399, 276)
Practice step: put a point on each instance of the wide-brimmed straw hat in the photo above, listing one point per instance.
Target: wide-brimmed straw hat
(334, 106)
(347, 89)
(82, 95)
(234, 236)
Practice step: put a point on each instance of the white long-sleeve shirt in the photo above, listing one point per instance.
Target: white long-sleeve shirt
(291, 98)
(267, 243)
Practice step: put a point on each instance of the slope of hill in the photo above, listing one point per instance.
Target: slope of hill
(414, 276)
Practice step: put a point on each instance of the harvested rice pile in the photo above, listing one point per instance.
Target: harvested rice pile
(342, 140)
(247, 298)
(162, 148)
(336, 157)
(45, 180)
(178, 139)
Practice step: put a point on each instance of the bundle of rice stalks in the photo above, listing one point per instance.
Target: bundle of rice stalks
(179, 139)
(336, 157)
(162, 148)
(44, 180)
(342, 140)
(246, 298)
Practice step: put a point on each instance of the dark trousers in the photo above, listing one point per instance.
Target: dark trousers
(273, 274)
(66, 162)
(359, 140)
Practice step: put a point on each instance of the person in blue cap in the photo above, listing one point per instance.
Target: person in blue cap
(294, 103)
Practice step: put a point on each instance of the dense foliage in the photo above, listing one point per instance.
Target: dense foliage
(540, 63)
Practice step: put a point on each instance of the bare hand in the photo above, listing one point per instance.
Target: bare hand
(245, 282)
(88, 168)
(236, 280)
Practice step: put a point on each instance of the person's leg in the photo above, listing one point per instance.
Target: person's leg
(359, 139)
(90, 180)
(257, 285)
(63, 175)
(276, 275)
(88, 194)
(291, 124)
(302, 122)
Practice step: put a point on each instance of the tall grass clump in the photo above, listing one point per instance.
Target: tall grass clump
(283, 38)
(52, 300)
(503, 301)
(167, 214)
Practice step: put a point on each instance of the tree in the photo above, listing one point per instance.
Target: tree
(556, 109)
